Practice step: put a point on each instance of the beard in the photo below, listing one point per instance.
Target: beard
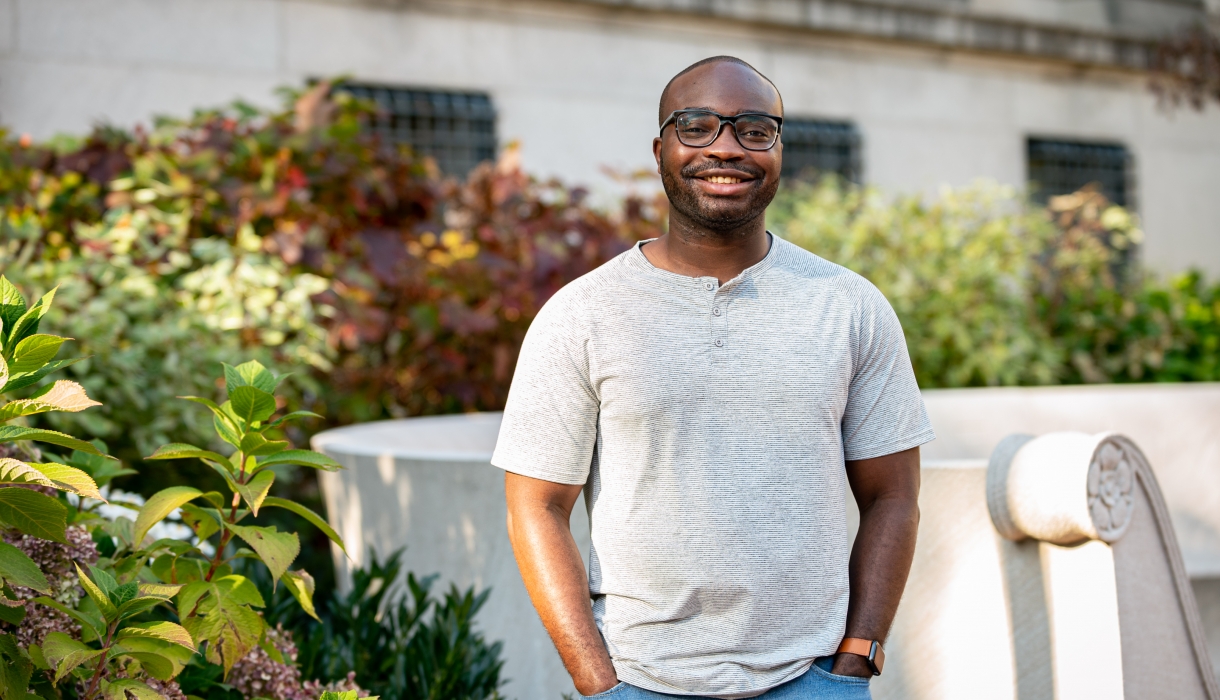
(721, 216)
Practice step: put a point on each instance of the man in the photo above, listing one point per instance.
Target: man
(714, 392)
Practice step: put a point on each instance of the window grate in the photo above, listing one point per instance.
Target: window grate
(457, 129)
(814, 147)
(1062, 167)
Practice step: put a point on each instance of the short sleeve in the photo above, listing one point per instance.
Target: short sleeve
(550, 420)
(885, 412)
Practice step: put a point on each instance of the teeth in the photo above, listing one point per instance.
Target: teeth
(721, 180)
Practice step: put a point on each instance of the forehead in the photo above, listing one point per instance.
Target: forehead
(727, 88)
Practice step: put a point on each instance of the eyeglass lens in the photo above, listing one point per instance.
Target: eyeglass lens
(698, 129)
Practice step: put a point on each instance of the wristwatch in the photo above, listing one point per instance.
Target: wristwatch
(868, 648)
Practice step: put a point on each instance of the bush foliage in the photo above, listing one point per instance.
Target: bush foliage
(298, 238)
(993, 290)
(106, 607)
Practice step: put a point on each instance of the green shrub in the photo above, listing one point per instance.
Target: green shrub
(153, 604)
(994, 290)
(400, 639)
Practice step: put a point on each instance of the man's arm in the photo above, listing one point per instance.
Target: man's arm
(887, 491)
(550, 563)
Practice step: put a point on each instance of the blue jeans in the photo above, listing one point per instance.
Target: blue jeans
(818, 683)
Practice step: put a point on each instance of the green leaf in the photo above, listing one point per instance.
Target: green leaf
(159, 659)
(3, 371)
(224, 617)
(135, 606)
(18, 569)
(178, 570)
(11, 433)
(315, 519)
(63, 395)
(118, 690)
(295, 415)
(12, 307)
(121, 595)
(65, 653)
(34, 513)
(13, 471)
(21, 381)
(251, 374)
(70, 479)
(301, 585)
(86, 620)
(276, 549)
(160, 590)
(160, 505)
(12, 615)
(200, 520)
(34, 352)
(305, 458)
(165, 631)
(27, 324)
(256, 445)
(178, 450)
(98, 594)
(252, 405)
(256, 489)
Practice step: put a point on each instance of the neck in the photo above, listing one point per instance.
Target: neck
(696, 251)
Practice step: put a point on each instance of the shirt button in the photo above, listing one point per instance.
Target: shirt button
(716, 311)
(709, 286)
(719, 343)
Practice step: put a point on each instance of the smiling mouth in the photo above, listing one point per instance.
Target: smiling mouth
(723, 180)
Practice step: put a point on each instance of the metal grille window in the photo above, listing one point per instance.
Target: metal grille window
(814, 147)
(1061, 167)
(458, 129)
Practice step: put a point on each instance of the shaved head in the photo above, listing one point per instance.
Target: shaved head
(664, 109)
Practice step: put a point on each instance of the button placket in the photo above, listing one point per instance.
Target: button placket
(718, 318)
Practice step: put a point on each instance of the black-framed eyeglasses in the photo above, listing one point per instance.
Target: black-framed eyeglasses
(699, 128)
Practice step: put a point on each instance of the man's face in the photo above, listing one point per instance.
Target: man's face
(690, 174)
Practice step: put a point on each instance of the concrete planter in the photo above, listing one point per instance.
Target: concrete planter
(427, 484)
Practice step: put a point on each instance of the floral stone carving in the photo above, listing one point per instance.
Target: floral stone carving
(1111, 491)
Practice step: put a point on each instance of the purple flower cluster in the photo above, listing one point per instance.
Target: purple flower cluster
(57, 563)
(257, 675)
(314, 689)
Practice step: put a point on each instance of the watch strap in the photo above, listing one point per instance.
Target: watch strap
(868, 648)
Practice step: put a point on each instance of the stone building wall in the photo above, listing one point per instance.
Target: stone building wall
(941, 91)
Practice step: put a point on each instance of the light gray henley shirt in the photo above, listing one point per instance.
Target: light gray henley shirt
(709, 424)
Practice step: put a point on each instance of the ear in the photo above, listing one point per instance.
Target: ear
(656, 152)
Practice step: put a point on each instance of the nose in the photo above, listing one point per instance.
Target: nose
(726, 146)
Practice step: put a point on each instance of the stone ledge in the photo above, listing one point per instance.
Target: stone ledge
(926, 26)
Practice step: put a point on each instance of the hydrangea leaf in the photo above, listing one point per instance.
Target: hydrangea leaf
(305, 458)
(11, 433)
(277, 549)
(301, 585)
(34, 513)
(251, 404)
(165, 631)
(315, 519)
(255, 490)
(159, 506)
(18, 569)
(35, 351)
(251, 374)
(70, 479)
(65, 653)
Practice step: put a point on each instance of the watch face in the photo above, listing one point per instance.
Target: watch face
(876, 658)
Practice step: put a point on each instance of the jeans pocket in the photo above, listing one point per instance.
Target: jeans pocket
(856, 680)
(606, 693)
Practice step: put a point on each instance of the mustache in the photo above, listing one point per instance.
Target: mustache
(692, 171)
